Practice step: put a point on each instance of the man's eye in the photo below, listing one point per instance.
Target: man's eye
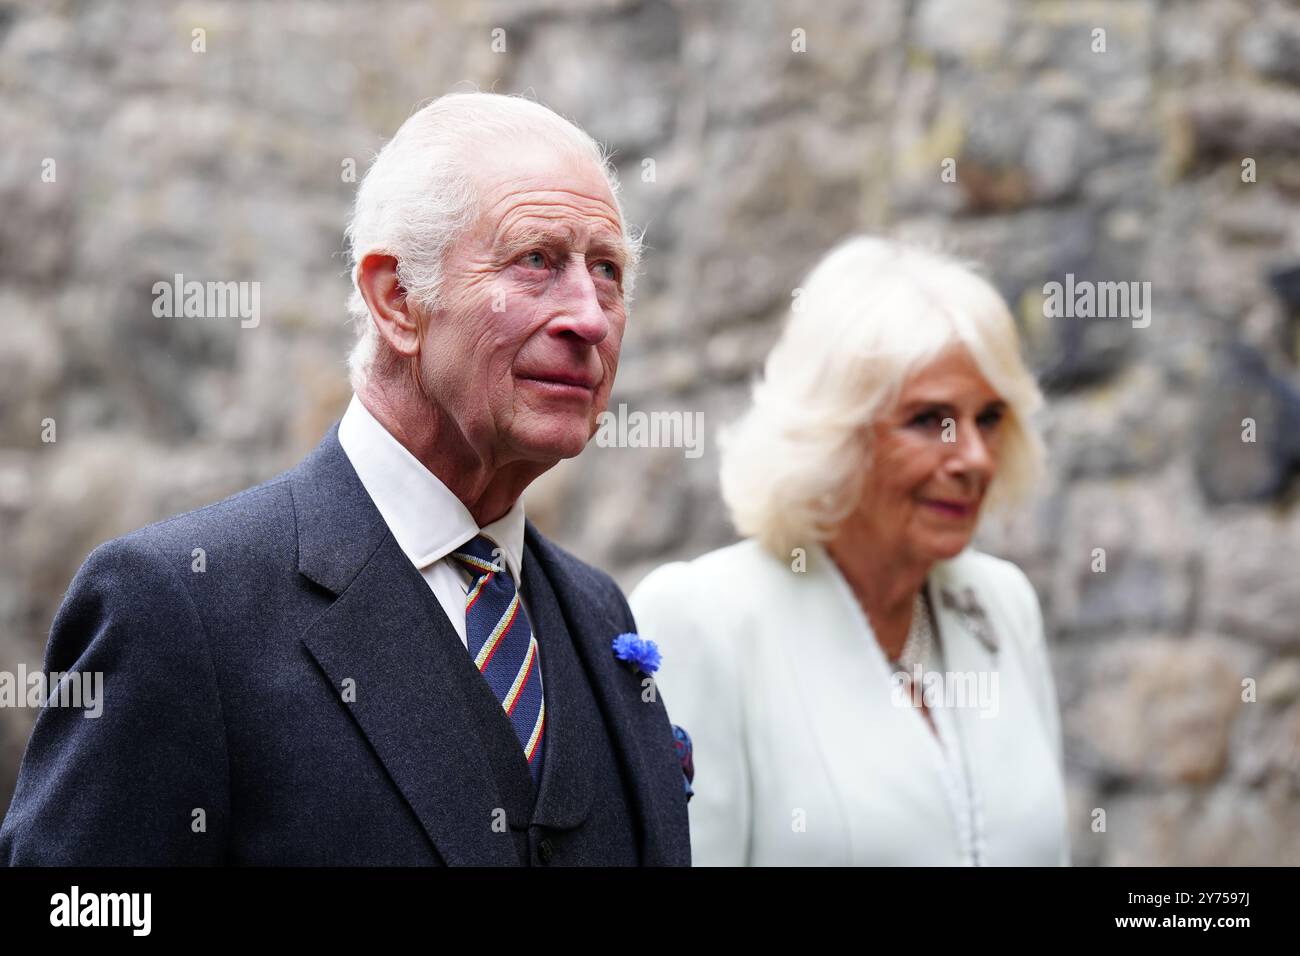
(534, 260)
(608, 270)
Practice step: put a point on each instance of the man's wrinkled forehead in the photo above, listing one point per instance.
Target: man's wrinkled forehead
(544, 191)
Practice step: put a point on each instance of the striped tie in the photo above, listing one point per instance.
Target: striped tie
(503, 646)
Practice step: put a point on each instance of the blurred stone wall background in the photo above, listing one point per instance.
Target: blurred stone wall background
(1124, 164)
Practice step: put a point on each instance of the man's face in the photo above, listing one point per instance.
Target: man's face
(523, 352)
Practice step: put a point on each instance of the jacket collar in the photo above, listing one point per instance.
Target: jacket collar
(339, 527)
(426, 518)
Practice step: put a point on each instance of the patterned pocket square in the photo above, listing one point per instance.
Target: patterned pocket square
(682, 741)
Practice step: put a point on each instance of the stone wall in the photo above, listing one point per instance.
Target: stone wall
(1170, 156)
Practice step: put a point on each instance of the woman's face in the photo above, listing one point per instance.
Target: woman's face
(935, 453)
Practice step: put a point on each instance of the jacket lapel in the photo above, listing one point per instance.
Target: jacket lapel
(964, 616)
(564, 797)
(639, 730)
(388, 636)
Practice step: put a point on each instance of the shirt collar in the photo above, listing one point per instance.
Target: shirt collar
(427, 520)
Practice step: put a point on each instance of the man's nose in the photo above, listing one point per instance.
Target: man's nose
(580, 313)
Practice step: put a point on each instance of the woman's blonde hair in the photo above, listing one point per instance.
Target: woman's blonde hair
(871, 313)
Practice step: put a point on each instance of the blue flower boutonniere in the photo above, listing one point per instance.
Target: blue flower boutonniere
(638, 651)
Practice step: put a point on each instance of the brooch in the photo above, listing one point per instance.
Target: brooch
(972, 614)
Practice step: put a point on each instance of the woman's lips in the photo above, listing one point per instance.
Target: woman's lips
(951, 509)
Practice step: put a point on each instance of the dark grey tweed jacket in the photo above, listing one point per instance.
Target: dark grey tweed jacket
(227, 737)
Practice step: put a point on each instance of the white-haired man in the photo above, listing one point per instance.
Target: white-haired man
(383, 662)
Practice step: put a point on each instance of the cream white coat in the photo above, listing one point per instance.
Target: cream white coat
(803, 755)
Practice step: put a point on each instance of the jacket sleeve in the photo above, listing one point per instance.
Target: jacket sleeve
(146, 780)
(699, 677)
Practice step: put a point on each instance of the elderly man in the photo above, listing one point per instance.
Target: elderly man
(374, 658)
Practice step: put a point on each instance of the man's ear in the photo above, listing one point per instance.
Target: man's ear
(377, 280)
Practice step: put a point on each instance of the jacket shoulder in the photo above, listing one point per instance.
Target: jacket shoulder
(714, 602)
(238, 521)
(987, 568)
(745, 563)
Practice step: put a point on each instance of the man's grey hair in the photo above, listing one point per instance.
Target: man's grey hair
(417, 197)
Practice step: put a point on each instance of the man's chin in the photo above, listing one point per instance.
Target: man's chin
(555, 445)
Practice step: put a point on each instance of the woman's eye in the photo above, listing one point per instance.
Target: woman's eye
(925, 420)
(534, 260)
(990, 418)
(608, 271)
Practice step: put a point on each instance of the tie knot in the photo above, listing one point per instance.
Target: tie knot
(481, 555)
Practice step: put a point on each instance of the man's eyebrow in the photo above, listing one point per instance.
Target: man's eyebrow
(532, 235)
(610, 250)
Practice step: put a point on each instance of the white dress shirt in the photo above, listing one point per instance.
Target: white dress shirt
(803, 756)
(426, 519)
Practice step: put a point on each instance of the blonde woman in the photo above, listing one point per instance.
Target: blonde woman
(860, 685)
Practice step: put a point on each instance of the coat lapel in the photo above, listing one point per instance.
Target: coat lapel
(387, 634)
(639, 730)
(564, 797)
(965, 619)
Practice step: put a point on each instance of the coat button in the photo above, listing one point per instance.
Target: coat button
(545, 851)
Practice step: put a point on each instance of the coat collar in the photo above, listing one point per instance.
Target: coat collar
(963, 609)
(339, 527)
(427, 519)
